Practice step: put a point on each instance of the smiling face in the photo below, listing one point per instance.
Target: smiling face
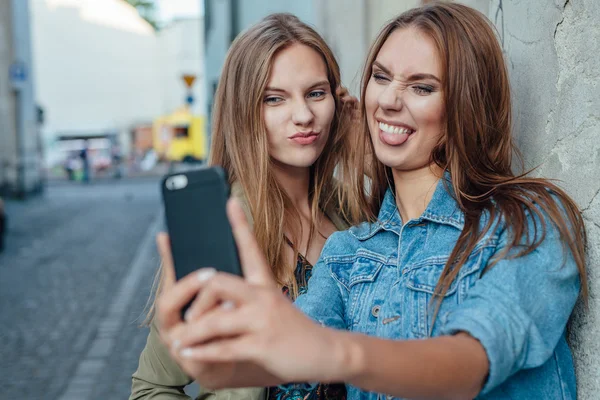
(404, 102)
(298, 107)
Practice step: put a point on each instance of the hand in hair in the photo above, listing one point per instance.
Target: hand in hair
(349, 101)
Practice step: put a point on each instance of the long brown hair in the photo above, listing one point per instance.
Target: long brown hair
(239, 144)
(239, 140)
(477, 150)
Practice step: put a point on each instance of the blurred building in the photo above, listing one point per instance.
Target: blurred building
(20, 147)
(104, 75)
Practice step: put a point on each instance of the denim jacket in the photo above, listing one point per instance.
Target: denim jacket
(379, 278)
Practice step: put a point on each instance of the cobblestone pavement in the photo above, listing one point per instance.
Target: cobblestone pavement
(74, 280)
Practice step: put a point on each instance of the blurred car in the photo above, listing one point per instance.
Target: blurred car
(2, 224)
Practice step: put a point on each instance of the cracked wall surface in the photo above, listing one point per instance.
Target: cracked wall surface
(553, 49)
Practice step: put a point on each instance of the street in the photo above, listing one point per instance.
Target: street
(74, 280)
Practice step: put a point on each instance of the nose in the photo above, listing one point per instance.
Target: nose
(390, 99)
(302, 114)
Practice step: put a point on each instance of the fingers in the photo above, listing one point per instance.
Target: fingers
(224, 289)
(172, 300)
(217, 323)
(255, 268)
(238, 349)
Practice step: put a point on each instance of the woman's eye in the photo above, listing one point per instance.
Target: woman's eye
(423, 89)
(273, 100)
(316, 94)
(379, 77)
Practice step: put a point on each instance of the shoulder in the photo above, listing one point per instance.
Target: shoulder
(343, 244)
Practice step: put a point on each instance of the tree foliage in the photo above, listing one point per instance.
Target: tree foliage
(147, 10)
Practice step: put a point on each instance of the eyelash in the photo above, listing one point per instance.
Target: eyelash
(423, 89)
(379, 78)
(418, 89)
(276, 100)
(320, 94)
(273, 100)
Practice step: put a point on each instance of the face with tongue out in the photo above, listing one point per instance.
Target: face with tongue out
(404, 101)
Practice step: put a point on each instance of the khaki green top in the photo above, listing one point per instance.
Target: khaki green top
(158, 376)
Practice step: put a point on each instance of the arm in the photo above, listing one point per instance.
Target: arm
(512, 320)
(158, 377)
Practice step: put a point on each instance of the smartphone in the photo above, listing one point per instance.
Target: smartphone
(197, 223)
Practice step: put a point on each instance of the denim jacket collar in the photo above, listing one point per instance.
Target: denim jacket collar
(442, 209)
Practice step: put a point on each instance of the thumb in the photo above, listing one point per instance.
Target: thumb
(255, 267)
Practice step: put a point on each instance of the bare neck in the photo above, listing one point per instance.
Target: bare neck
(294, 182)
(414, 190)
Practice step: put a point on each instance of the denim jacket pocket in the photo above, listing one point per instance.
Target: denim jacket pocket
(359, 277)
(421, 282)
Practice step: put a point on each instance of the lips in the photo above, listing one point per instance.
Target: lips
(304, 138)
(394, 135)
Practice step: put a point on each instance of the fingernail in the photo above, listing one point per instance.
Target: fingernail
(206, 273)
(228, 305)
(186, 353)
(176, 343)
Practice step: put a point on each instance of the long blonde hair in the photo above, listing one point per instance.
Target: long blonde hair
(477, 145)
(239, 140)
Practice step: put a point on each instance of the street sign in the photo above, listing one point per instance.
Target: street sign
(189, 80)
(189, 99)
(17, 73)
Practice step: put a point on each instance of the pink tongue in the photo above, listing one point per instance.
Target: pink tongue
(394, 139)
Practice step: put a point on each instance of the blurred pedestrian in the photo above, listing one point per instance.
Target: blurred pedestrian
(85, 161)
(116, 158)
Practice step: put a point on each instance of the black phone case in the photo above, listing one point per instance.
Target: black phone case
(197, 223)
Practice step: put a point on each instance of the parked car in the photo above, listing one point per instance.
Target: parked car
(2, 224)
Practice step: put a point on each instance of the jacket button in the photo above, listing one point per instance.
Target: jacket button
(375, 311)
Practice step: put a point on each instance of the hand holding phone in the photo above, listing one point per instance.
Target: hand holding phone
(197, 223)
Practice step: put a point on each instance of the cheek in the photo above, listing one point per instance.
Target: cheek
(371, 95)
(274, 118)
(430, 111)
(327, 112)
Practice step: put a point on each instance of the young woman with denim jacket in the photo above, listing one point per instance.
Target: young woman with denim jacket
(279, 130)
(463, 284)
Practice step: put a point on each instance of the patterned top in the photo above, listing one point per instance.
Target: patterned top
(323, 391)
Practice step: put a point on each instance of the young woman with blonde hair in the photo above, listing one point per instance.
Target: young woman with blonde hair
(463, 284)
(280, 130)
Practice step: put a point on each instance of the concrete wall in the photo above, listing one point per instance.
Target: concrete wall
(20, 161)
(554, 51)
(218, 32)
(8, 154)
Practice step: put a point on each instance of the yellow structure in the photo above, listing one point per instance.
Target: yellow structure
(180, 136)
